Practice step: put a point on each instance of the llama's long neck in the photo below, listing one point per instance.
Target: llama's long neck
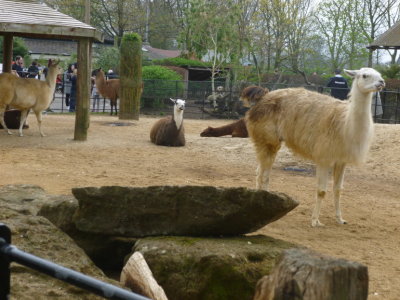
(178, 117)
(51, 78)
(359, 124)
(100, 82)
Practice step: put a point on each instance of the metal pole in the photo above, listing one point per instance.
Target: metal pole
(11, 253)
(5, 238)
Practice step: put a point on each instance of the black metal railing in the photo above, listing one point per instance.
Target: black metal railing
(10, 253)
(156, 94)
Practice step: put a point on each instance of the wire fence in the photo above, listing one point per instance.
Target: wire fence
(225, 103)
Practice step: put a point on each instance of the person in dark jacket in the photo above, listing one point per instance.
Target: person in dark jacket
(18, 66)
(338, 85)
(33, 70)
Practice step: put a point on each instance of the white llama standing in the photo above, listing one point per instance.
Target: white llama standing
(330, 132)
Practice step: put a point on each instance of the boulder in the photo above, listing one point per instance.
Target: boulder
(38, 236)
(23, 198)
(177, 210)
(107, 252)
(189, 268)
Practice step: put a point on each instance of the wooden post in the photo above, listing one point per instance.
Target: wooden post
(7, 52)
(83, 89)
(130, 77)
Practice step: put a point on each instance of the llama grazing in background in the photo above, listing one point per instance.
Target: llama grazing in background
(107, 88)
(27, 93)
(169, 131)
(330, 132)
(236, 129)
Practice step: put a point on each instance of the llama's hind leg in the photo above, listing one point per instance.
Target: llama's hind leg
(266, 158)
(39, 120)
(322, 179)
(338, 177)
(2, 122)
(24, 114)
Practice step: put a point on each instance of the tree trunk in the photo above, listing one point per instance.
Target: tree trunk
(302, 274)
(130, 77)
(137, 276)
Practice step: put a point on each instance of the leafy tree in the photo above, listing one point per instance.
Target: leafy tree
(108, 58)
(211, 25)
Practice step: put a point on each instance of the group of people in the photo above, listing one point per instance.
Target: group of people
(340, 89)
(32, 72)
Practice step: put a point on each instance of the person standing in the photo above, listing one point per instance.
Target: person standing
(72, 100)
(18, 66)
(339, 86)
(33, 70)
(67, 83)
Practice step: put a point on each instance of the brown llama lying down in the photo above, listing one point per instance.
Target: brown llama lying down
(27, 93)
(330, 132)
(107, 88)
(236, 129)
(169, 131)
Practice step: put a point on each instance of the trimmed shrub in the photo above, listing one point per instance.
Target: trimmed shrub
(160, 83)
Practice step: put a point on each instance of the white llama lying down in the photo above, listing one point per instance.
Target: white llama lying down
(330, 132)
(27, 93)
(169, 131)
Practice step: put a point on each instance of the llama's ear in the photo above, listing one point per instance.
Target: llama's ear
(351, 73)
(50, 62)
(173, 100)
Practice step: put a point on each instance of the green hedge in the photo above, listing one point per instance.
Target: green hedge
(160, 83)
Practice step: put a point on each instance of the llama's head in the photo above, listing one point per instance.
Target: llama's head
(252, 95)
(367, 80)
(207, 132)
(54, 65)
(179, 104)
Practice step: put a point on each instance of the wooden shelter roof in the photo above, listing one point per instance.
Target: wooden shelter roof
(390, 39)
(31, 18)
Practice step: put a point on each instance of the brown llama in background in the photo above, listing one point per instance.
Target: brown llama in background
(107, 88)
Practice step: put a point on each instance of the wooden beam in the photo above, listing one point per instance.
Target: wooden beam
(83, 89)
(7, 52)
(53, 30)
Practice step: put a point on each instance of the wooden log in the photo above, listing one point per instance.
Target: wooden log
(305, 275)
(137, 276)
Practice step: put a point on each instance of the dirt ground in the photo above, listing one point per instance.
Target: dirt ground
(123, 155)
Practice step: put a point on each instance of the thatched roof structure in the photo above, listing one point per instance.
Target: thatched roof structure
(390, 39)
(30, 18)
(34, 19)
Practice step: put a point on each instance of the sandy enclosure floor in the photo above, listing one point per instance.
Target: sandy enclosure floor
(123, 155)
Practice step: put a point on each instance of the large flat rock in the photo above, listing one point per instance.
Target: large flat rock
(177, 210)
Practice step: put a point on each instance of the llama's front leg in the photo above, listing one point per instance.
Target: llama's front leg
(265, 159)
(322, 179)
(24, 114)
(2, 112)
(39, 120)
(338, 176)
